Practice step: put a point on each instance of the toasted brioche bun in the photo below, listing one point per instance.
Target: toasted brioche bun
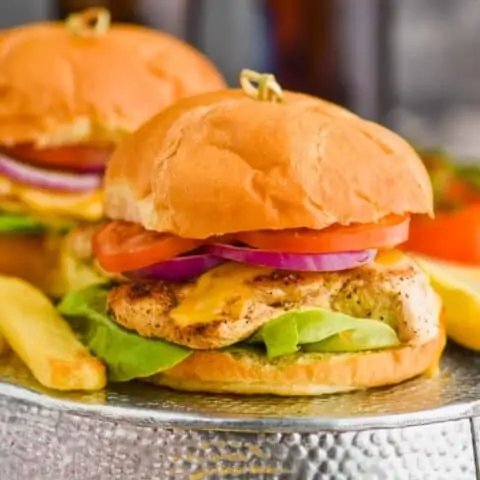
(34, 258)
(223, 162)
(59, 88)
(302, 374)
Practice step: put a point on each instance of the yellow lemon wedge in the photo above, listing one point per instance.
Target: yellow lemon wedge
(459, 289)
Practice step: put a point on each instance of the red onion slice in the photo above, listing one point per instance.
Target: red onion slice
(324, 262)
(177, 269)
(48, 179)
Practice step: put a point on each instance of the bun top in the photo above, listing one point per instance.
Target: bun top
(66, 83)
(224, 162)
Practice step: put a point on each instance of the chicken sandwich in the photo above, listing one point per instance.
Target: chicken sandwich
(69, 92)
(251, 244)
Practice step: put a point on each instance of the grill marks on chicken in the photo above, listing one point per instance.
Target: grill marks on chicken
(397, 293)
(145, 308)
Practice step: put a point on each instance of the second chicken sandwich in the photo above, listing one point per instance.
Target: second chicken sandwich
(69, 92)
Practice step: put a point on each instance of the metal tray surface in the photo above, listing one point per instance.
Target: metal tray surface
(422, 429)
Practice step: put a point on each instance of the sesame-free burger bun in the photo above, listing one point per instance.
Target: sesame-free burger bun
(223, 162)
(301, 374)
(58, 87)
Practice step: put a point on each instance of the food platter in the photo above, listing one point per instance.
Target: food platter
(425, 428)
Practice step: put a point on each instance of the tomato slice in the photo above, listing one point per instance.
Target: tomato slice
(453, 236)
(388, 232)
(79, 157)
(123, 246)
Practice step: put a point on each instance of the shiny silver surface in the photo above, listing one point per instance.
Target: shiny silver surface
(425, 429)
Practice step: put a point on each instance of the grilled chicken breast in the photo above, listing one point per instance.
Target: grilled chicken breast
(229, 303)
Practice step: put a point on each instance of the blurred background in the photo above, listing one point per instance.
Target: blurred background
(412, 65)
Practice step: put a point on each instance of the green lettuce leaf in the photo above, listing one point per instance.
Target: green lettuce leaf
(126, 354)
(319, 330)
(18, 223)
(26, 224)
(357, 339)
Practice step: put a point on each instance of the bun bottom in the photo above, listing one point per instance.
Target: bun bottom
(246, 372)
(34, 258)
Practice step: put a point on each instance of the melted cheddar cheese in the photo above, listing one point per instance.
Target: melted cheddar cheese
(81, 206)
(390, 257)
(208, 298)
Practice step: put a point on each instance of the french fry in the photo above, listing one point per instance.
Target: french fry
(4, 347)
(44, 341)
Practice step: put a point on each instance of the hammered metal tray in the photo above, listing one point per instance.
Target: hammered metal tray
(424, 428)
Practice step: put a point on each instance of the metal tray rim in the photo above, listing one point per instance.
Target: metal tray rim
(170, 419)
